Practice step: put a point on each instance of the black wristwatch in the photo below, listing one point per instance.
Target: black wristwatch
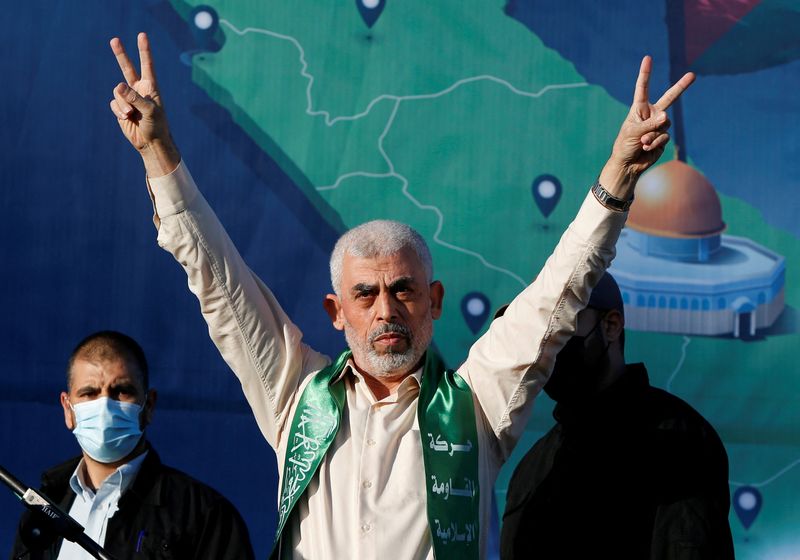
(606, 199)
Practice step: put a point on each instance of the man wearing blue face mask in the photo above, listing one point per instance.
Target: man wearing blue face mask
(126, 499)
(628, 471)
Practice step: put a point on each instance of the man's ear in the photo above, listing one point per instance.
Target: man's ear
(69, 416)
(613, 325)
(333, 307)
(147, 410)
(437, 296)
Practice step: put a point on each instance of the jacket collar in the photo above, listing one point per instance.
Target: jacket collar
(146, 487)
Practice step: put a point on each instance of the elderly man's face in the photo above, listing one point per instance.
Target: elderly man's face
(386, 308)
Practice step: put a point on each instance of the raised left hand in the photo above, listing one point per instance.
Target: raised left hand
(643, 135)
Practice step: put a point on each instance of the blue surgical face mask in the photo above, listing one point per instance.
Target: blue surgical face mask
(107, 430)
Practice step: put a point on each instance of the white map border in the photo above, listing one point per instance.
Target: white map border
(398, 99)
(777, 475)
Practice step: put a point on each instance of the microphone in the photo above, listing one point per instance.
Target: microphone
(44, 521)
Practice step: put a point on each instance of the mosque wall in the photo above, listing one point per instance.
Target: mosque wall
(709, 322)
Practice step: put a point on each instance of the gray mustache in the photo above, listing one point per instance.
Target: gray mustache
(389, 328)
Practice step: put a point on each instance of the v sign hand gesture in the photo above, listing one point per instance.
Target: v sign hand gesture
(138, 107)
(642, 136)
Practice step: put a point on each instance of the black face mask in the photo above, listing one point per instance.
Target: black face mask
(578, 368)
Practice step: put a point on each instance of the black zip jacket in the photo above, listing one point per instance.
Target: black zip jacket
(164, 514)
(633, 472)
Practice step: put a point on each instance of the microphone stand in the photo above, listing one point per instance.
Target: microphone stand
(56, 518)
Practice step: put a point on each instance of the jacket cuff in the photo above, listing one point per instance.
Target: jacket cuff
(597, 224)
(172, 194)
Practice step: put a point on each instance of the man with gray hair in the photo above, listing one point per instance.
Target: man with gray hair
(374, 240)
(383, 453)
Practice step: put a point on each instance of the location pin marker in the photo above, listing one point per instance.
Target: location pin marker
(370, 10)
(475, 309)
(204, 22)
(546, 192)
(747, 503)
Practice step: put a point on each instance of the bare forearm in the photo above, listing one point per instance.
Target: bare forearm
(619, 180)
(160, 158)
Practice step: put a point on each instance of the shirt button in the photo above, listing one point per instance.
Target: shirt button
(365, 528)
(370, 442)
(366, 484)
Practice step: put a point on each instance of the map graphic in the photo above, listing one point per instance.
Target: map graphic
(480, 123)
(357, 149)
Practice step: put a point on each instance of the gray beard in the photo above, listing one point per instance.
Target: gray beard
(391, 363)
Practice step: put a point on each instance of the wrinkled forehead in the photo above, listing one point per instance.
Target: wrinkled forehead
(404, 263)
(103, 372)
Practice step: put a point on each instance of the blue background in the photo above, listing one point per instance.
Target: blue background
(78, 248)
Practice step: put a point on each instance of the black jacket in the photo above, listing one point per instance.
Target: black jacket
(164, 514)
(633, 473)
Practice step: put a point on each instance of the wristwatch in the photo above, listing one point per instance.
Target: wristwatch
(606, 199)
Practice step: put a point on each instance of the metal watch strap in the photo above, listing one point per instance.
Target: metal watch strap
(606, 199)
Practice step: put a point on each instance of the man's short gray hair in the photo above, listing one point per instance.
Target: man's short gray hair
(378, 238)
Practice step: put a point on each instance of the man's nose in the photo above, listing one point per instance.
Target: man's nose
(386, 307)
(110, 393)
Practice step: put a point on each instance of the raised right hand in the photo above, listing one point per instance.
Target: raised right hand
(138, 107)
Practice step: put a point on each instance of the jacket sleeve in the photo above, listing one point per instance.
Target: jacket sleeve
(692, 528)
(255, 337)
(691, 517)
(224, 534)
(507, 367)
(18, 550)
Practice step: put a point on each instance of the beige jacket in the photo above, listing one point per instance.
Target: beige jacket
(368, 498)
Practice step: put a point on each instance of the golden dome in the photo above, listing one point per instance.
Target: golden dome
(675, 200)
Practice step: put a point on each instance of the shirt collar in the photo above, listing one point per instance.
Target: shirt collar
(351, 368)
(119, 480)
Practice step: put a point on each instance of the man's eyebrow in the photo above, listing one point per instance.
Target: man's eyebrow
(86, 388)
(363, 288)
(402, 282)
(127, 384)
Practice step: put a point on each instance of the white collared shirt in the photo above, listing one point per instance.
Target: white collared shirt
(93, 509)
(375, 474)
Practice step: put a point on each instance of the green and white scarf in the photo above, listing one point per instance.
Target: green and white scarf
(449, 449)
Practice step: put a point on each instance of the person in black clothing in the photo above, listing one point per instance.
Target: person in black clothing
(118, 489)
(628, 471)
